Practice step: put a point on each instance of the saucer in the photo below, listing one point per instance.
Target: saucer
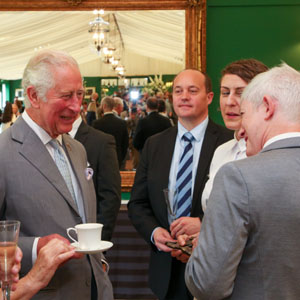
(103, 246)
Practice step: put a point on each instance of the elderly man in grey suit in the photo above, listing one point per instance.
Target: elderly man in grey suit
(44, 179)
(249, 242)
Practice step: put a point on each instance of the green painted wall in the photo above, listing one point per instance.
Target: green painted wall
(267, 30)
(14, 84)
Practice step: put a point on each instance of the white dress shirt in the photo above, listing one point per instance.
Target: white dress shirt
(230, 151)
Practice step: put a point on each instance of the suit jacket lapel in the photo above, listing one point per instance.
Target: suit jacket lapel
(34, 151)
(168, 155)
(78, 171)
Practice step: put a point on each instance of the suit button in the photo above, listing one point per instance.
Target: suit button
(88, 282)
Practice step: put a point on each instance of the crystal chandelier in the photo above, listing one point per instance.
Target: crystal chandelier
(99, 28)
(108, 52)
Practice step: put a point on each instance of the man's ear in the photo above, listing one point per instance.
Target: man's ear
(33, 97)
(210, 97)
(270, 106)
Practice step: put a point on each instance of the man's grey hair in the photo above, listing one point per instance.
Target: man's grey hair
(39, 71)
(282, 83)
(118, 101)
(109, 102)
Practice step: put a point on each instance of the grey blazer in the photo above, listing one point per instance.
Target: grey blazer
(249, 246)
(33, 191)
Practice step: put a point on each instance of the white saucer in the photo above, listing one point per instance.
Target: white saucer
(103, 246)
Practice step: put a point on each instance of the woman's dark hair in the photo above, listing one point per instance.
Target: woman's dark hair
(7, 114)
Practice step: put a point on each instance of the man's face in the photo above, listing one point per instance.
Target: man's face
(57, 115)
(119, 109)
(190, 99)
(253, 127)
(95, 96)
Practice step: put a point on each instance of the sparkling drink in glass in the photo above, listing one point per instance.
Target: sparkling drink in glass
(9, 234)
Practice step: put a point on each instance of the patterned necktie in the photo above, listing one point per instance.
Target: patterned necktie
(184, 178)
(63, 167)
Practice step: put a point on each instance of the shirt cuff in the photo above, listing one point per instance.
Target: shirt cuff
(152, 240)
(34, 250)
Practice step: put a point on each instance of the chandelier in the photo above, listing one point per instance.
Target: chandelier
(107, 41)
(99, 28)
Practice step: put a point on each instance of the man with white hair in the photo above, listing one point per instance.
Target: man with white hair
(54, 186)
(249, 243)
(119, 106)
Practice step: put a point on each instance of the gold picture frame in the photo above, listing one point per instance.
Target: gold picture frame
(89, 91)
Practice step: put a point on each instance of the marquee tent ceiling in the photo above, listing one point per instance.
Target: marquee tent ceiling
(153, 40)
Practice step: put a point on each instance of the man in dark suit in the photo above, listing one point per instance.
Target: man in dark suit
(150, 125)
(115, 126)
(102, 157)
(159, 164)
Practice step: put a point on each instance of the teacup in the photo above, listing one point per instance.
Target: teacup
(88, 234)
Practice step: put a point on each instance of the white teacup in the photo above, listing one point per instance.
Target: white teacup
(88, 234)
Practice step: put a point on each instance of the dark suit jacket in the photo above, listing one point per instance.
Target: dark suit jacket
(118, 128)
(148, 126)
(147, 208)
(102, 157)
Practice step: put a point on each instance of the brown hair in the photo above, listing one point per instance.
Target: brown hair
(152, 103)
(8, 112)
(246, 69)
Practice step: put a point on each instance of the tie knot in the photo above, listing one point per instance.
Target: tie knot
(188, 137)
(54, 144)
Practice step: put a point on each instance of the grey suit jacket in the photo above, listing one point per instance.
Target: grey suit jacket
(249, 241)
(33, 191)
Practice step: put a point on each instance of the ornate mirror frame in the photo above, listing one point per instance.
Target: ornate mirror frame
(195, 17)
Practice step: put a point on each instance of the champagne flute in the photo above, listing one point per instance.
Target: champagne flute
(171, 201)
(9, 233)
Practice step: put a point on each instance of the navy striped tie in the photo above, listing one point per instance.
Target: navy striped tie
(184, 178)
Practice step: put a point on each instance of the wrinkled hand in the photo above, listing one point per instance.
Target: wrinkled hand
(46, 239)
(160, 237)
(50, 257)
(185, 225)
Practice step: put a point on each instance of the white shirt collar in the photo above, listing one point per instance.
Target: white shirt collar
(109, 113)
(39, 131)
(197, 132)
(75, 127)
(240, 144)
(281, 137)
